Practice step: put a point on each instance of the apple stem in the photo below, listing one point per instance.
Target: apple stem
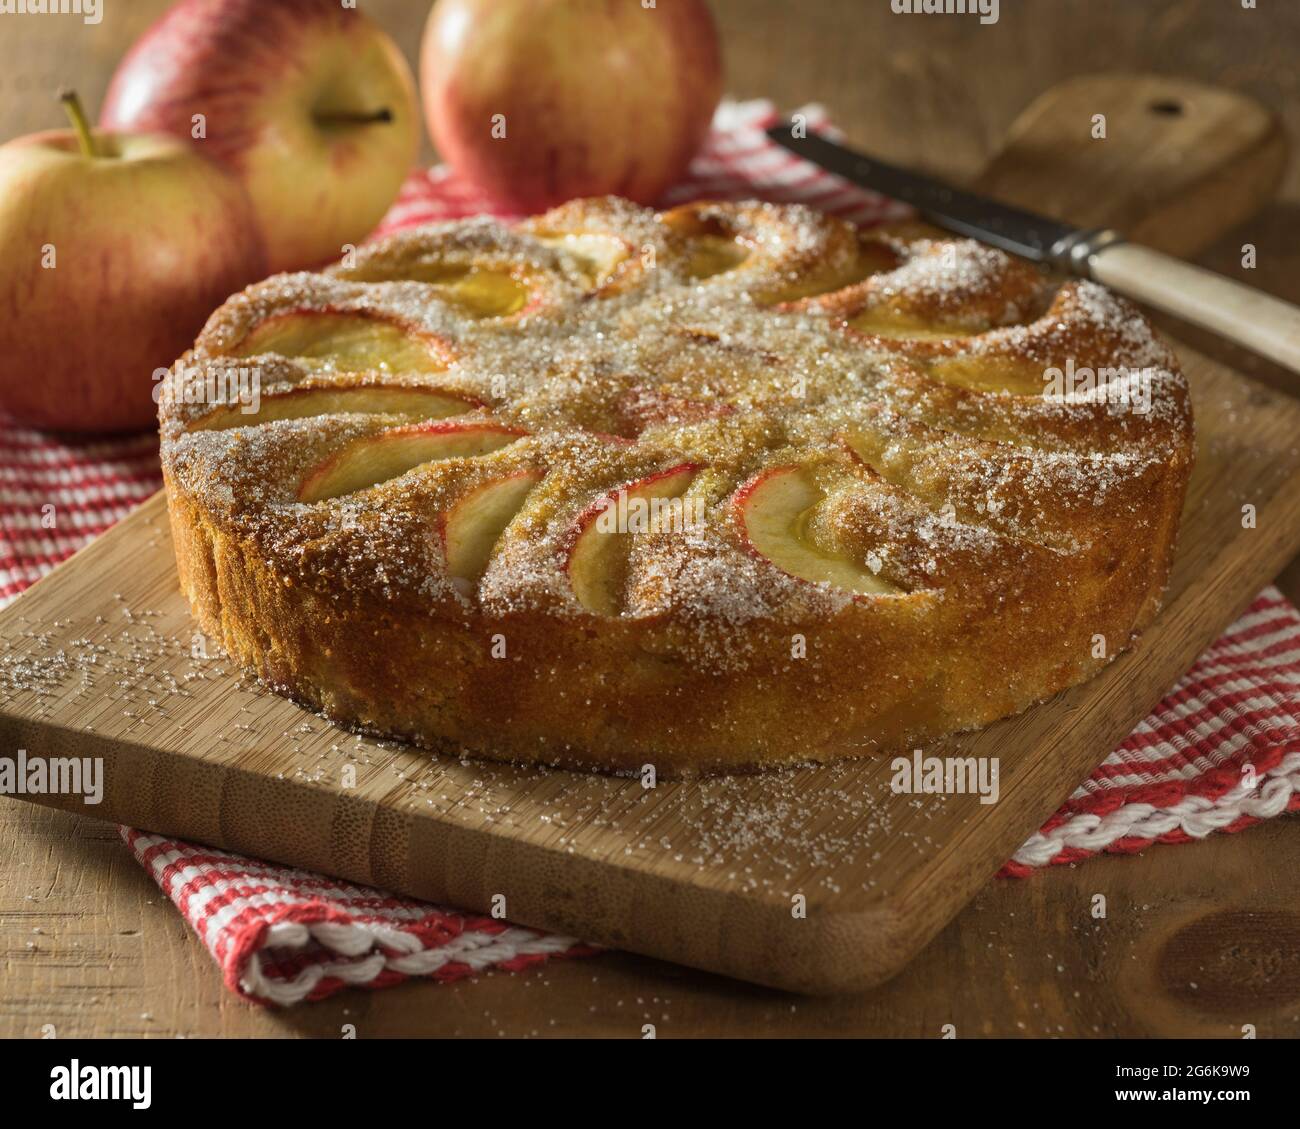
(77, 115)
(343, 117)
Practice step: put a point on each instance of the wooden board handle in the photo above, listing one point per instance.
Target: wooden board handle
(1242, 314)
(1180, 165)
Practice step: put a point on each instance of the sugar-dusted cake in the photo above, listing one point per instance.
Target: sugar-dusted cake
(728, 486)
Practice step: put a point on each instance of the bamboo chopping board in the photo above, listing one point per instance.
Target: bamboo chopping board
(815, 880)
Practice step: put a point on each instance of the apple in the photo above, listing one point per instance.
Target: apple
(538, 101)
(599, 256)
(116, 248)
(597, 554)
(378, 458)
(308, 101)
(344, 343)
(476, 291)
(471, 529)
(369, 399)
(772, 511)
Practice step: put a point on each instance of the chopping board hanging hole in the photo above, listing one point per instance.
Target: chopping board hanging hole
(1169, 162)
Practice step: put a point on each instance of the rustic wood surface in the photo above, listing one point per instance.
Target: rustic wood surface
(1206, 937)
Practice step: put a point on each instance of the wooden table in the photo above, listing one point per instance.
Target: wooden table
(1199, 939)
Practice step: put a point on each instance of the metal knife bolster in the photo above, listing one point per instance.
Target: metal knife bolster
(1074, 254)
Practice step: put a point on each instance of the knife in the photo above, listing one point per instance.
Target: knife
(1241, 314)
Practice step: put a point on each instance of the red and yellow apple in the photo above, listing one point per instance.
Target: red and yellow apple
(116, 248)
(309, 102)
(539, 101)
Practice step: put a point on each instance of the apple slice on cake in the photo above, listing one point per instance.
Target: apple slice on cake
(378, 458)
(599, 256)
(596, 561)
(774, 510)
(373, 399)
(343, 343)
(471, 529)
(478, 291)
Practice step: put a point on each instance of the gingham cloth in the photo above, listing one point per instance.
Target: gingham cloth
(1221, 752)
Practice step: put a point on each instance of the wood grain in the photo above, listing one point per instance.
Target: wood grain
(89, 945)
(112, 957)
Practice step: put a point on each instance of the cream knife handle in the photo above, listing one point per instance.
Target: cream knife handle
(1248, 317)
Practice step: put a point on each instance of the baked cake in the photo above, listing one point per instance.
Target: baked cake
(727, 486)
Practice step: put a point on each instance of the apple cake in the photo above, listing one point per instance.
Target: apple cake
(727, 486)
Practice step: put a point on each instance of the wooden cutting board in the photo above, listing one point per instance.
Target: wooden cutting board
(815, 880)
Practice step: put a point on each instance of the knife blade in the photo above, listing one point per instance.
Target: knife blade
(1239, 313)
(1023, 233)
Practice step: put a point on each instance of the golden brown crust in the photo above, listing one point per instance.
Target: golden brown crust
(903, 376)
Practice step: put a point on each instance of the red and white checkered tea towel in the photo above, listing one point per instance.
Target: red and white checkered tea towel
(1221, 752)
(283, 935)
